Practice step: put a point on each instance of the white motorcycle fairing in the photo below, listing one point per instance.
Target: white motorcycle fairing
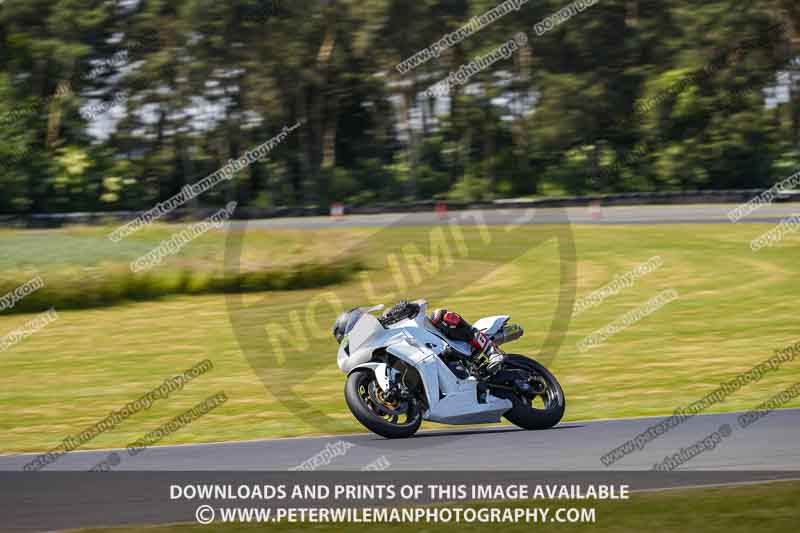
(417, 343)
(491, 325)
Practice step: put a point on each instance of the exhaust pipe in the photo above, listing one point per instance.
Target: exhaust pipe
(510, 332)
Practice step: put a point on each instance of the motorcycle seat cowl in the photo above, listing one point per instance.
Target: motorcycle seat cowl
(491, 325)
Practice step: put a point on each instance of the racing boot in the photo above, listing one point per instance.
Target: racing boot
(488, 355)
(495, 358)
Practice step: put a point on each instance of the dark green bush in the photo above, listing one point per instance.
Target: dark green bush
(77, 289)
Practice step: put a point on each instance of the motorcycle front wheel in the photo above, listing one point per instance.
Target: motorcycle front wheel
(391, 419)
(544, 407)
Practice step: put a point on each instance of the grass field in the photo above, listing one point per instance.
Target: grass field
(746, 509)
(735, 307)
(83, 269)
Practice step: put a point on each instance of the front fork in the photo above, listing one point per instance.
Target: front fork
(387, 378)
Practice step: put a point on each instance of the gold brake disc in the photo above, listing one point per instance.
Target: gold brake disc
(384, 401)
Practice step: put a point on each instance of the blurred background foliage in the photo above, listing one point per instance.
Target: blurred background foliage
(176, 88)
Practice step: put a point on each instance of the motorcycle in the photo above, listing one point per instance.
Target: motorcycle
(402, 370)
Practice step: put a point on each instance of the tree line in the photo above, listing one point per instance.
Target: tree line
(117, 105)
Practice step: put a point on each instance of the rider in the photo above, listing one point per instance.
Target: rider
(452, 325)
(455, 327)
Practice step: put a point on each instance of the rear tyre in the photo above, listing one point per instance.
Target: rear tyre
(396, 420)
(525, 413)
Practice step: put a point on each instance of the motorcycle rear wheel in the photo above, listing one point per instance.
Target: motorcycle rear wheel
(363, 397)
(523, 413)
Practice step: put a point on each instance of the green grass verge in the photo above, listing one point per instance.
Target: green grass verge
(116, 285)
(82, 269)
(735, 308)
(765, 507)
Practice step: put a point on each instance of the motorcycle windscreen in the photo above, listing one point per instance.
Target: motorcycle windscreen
(366, 328)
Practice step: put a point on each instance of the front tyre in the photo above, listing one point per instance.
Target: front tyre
(397, 419)
(541, 405)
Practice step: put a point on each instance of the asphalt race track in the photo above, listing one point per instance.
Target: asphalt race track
(691, 214)
(138, 490)
(768, 444)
